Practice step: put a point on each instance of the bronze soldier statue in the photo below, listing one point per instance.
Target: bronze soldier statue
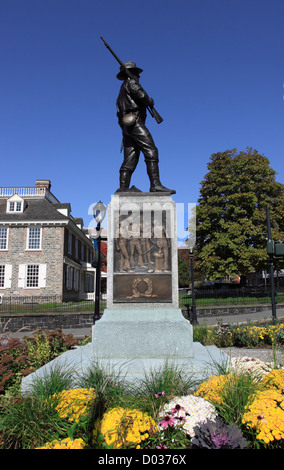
(132, 103)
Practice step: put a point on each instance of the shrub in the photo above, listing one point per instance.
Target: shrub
(45, 345)
(252, 336)
(14, 365)
(202, 334)
(217, 435)
(223, 337)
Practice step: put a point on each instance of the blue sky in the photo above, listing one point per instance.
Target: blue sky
(214, 68)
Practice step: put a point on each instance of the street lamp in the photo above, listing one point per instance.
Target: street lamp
(193, 308)
(99, 211)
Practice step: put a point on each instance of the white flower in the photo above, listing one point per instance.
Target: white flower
(192, 411)
(250, 364)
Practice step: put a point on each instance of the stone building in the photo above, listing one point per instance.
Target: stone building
(44, 251)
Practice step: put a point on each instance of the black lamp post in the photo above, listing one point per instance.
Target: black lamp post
(193, 308)
(271, 267)
(99, 211)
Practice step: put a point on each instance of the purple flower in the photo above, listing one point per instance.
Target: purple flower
(167, 421)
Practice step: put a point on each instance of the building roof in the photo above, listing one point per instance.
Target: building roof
(35, 210)
(39, 206)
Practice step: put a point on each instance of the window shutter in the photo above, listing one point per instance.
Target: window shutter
(8, 276)
(22, 275)
(42, 275)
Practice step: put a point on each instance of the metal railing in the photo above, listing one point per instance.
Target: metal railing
(43, 304)
(22, 191)
(230, 297)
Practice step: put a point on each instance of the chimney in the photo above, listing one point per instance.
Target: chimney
(43, 184)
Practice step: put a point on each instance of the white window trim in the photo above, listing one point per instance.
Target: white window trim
(28, 238)
(7, 276)
(7, 239)
(16, 200)
(22, 279)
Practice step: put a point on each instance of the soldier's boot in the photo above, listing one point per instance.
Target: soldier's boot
(154, 176)
(124, 180)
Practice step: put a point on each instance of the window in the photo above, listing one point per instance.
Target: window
(32, 275)
(76, 248)
(5, 276)
(15, 207)
(69, 277)
(69, 242)
(76, 279)
(2, 275)
(34, 238)
(15, 204)
(3, 238)
(89, 283)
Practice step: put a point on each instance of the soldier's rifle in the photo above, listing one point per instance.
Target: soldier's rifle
(154, 113)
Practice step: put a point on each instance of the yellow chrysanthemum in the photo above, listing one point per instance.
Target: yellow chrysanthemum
(125, 427)
(64, 444)
(266, 416)
(72, 404)
(274, 380)
(211, 389)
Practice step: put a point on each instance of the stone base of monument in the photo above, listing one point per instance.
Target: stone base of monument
(143, 340)
(134, 343)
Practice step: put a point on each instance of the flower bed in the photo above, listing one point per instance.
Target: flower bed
(241, 406)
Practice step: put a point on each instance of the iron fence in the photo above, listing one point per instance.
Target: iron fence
(43, 304)
(217, 297)
(53, 304)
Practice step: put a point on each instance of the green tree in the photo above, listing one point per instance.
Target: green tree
(183, 271)
(231, 214)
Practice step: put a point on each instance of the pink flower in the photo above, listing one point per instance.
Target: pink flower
(160, 394)
(180, 419)
(161, 447)
(167, 421)
(177, 409)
